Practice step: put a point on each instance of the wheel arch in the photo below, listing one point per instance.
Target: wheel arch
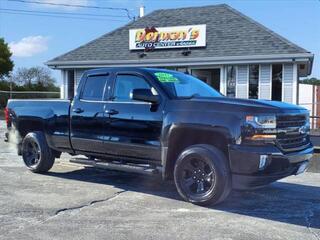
(181, 136)
(27, 125)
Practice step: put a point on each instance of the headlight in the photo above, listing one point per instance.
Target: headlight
(259, 128)
(262, 121)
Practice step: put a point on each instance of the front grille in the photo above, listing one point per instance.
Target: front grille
(292, 140)
(291, 121)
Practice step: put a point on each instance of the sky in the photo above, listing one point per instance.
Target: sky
(37, 39)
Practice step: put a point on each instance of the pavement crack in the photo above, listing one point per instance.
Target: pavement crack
(63, 210)
(308, 218)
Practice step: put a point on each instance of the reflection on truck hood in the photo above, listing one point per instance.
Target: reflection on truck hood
(258, 103)
(236, 105)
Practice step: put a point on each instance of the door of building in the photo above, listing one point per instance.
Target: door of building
(209, 76)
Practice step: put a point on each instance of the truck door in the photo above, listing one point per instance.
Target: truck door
(134, 127)
(87, 115)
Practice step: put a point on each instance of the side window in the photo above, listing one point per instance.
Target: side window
(124, 85)
(94, 88)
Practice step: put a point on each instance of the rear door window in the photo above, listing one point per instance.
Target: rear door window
(94, 88)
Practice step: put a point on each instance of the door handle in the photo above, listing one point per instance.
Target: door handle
(111, 112)
(78, 110)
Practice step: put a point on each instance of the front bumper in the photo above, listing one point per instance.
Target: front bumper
(244, 164)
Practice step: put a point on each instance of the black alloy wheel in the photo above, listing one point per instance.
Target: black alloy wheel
(31, 153)
(202, 175)
(36, 154)
(198, 176)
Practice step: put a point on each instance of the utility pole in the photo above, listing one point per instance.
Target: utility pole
(10, 88)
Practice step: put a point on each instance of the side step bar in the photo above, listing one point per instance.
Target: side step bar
(134, 168)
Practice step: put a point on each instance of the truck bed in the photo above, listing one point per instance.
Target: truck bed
(51, 115)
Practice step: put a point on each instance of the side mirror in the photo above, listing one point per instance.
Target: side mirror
(145, 95)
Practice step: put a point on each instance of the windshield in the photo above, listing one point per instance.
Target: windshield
(182, 85)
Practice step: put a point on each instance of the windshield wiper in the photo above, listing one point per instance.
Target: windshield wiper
(191, 96)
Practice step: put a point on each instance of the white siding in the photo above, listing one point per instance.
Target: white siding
(287, 85)
(242, 81)
(287, 93)
(64, 85)
(295, 83)
(265, 81)
(223, 81)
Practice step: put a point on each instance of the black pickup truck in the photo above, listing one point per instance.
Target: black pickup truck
(165, 122)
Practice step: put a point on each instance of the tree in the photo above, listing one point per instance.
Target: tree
(312, 81)
(28, 79)
(6, 64)
(22, 77)
(39, 77)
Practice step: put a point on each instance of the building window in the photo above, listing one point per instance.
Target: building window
(277, 82)
(231, 81)
(253, 81)
(215, 79)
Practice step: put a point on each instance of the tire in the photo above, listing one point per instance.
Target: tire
(202, 175)
(36, 154)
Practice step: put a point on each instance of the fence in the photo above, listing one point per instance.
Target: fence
(309, 98)
(314, 109)
(5, 95)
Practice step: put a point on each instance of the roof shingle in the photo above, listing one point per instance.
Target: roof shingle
(229, 33)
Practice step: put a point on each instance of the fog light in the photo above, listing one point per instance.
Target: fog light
(263, 161)
(239, 140)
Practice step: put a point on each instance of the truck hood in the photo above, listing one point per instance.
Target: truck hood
(241, 105)
(258, 103)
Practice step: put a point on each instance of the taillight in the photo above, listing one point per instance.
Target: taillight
(6, 115)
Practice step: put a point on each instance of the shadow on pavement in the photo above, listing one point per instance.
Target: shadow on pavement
(282, 202)
(315, 164)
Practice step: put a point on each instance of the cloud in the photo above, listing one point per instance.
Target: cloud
(29, 46)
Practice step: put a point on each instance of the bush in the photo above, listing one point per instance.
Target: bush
(312, 81)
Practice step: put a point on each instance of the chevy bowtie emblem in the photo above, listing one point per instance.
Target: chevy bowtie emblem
(303, 130)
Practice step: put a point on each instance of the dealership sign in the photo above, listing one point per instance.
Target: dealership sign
(167, 37)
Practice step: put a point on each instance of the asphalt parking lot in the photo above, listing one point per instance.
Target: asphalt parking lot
(72, 202)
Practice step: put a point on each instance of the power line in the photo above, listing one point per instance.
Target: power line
(60, 13)
(74, 5)
(56, 16)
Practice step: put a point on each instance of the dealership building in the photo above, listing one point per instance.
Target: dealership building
(221, 46)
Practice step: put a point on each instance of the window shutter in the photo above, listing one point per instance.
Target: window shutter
(287, 83)
(242, 81)
(265, 82)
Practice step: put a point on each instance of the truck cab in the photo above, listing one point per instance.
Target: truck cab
(105, 119)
